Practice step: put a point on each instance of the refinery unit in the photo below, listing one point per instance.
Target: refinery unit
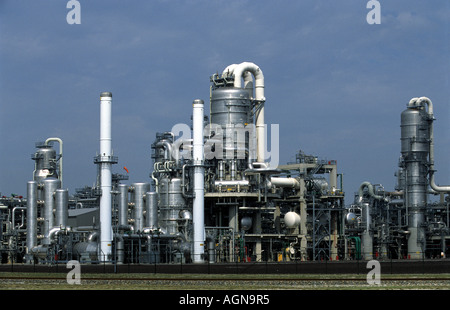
(214, 197)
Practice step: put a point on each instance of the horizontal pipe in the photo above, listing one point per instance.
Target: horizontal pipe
(231, 183)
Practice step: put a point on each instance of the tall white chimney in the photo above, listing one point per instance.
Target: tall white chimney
(199, 172)
(105, 159)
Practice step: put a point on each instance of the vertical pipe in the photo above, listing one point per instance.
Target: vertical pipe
(139, 205)
(50, 187)
(434, 186)
(62, 201)
(198, 158)
(106, 176)
(151, 205)
(366, 235)
(123, 205)
(239, 72)
(31, 215)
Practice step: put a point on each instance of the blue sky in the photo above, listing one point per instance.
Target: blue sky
(335, 84)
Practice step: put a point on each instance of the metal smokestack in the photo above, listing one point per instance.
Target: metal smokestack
(105, 159)
(198, 159)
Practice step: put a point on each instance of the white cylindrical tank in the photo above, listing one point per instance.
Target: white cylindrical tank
(292, 219)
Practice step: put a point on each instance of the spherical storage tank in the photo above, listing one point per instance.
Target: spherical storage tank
(291, 219)
(350, 218)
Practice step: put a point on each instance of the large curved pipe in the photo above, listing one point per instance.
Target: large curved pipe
(371, 192)
(167, 146)
(229, 71)
(259, 96)
(245, 70)
(239, 71)
(417, 102)
(248, 80)
(60, 154)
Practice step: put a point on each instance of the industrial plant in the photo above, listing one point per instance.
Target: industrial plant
(214, 195)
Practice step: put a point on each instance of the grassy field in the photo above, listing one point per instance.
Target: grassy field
(41, 281)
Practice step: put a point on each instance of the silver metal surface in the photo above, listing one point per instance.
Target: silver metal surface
(170, 204)
(151, 207)
(31, 215)
(45, 162)
(62, 204)
(123, 205)
(137, 197)
(230, 106)
(50, 187)
(415, 145)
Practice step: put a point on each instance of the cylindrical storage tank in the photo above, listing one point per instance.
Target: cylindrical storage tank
(123, 205)
(415, 131)
(231, 110)
(151, 207)
(291, 219)
(62, 204)
(137, 196)
(50, 187)
(230, 106)
(171, 202)
(45, 162)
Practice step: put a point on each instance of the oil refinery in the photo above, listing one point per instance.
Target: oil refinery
(214, 196)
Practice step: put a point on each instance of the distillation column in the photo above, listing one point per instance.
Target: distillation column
(415, 140)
